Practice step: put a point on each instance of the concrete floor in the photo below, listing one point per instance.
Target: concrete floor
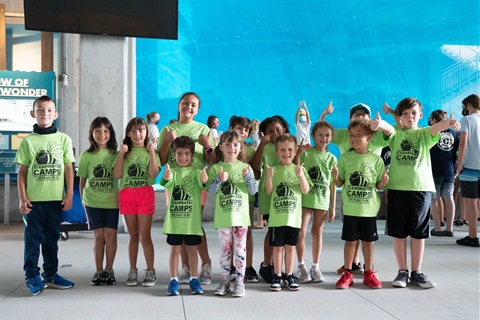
(455, 269)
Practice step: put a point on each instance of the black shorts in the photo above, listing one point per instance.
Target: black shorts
(188, 239)
(470, 189)
(102, 218)
(359, 228)
(408, 214)
(281, 236)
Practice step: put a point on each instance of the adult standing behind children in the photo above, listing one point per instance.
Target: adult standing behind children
(153, 119)
(410, 187)
(45, 189)
(137, 165)
(188, 107)
(469, 166)
(444, 157)
(99, 193)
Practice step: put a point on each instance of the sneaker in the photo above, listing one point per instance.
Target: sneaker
(132, 278)
(150, 278)
(109, 278)
(195, 286)
(223, 289)
(420, 279)
(303, 274)
(97, 279)
(292, 282)
(233, 273)
(238, 290)
(172, 289)
(345, 281)
(401, 279)
(467, 241)
(436, 233)
(448, 233)
(356, 268)
(184, 276)
(316, 275)
(206, 274)
(35, 285)
(277, 283)
(251, 275)
(458, 222)
(57, 282)
(267, 272)
(371, 280)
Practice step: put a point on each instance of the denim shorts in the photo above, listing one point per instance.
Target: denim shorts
(443, 187)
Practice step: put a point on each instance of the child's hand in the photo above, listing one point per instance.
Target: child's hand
(25, 206)
(335, 171)
(150, 147)
(204, 140)
(299, 170)
(329, 109)
(67, 203)
(269, 171)
(167, 174)
(375, 124)
(385, 177)
(222, 175)
(123, 148)
(386, 109)
(245, 171)
(301, 149)
(454, 124)
(204, 175)
(170, 135)
(331, 215)
(264, 139)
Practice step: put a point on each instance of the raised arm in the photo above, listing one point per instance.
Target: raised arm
(444, 125)
(328, 110)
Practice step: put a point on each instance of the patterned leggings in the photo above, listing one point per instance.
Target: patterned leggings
(233, 240)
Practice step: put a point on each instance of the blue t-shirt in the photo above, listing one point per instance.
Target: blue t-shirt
(444, 154)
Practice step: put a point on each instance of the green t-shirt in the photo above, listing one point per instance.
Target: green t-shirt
(45, 155)
(286, 198)
(184, 211)
(319, 166)
(101, 189)
(360, 173)
(410, 164)
(192, 130)
(231, 199)
(135, 169)
(341, 138)
(268, 157)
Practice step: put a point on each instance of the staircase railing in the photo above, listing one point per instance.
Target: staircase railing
(459, 74)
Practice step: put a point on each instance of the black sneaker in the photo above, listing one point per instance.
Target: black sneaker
(467, 241)
(233, 273)
(436, 233)
(421, 280)
(97, 279)
(277, 283)
(401, 279)
(292, 282)
(266, 272)
(109, 278)
(251, 275)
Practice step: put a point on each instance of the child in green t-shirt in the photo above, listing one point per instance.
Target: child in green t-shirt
(360, 173)
(410, 187)
(45, 189)
(320, 201)
(285, 183)
(183, 221)
(99, 193)
(137, 165)
(231, 180)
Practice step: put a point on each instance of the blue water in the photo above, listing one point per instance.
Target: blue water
(259, 58)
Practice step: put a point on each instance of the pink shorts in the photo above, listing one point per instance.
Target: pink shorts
(137, 200)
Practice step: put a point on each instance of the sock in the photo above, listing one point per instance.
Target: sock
(349, 270)
(279, 274)
(316, 266)
(191, 278)
(174, 278)
(301, 263)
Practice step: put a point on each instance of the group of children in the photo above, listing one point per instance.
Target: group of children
(296, 184)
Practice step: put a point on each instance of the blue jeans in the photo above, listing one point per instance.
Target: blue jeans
(42, 228)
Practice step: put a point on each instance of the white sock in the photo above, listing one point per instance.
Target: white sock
(301, 263)
(174, 278)
(316, 265)
(191, 278)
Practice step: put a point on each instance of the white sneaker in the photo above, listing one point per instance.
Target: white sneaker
(238, 290)
(184, 276)
(303, 274)
(223, 289)
(316, 275)
(132, 278)
(206, 274)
